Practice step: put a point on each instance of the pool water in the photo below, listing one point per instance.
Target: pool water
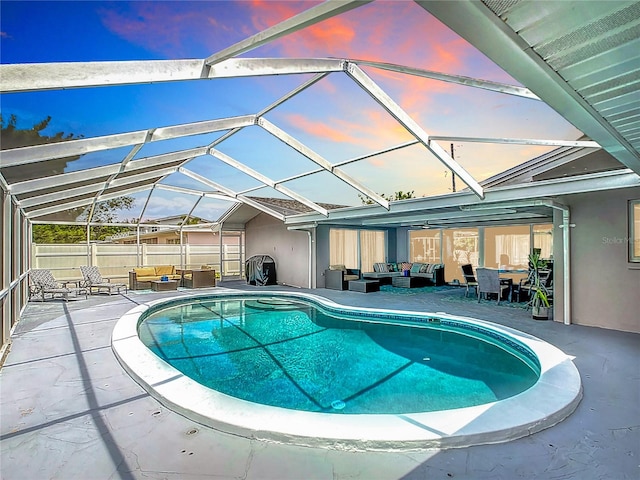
(296, 355)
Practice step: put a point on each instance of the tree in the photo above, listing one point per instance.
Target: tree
(399, 195)
(105, 212)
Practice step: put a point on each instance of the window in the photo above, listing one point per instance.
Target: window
(460, 246)
(356, 248)
(634, 231)
(507, 247)
(424, 246)
(543, 239)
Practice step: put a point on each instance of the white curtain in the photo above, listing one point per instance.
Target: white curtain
(343, 247)
(371, 249)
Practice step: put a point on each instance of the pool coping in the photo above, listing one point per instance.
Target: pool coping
(554, 397)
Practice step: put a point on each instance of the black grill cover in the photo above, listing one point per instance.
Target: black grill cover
(260, 270)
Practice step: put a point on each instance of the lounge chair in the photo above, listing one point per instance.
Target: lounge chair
(42, 283)
(93, 280)
(489, 282)
(337, 277)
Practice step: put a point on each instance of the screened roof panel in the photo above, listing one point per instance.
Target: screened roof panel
(211, 209)
(183, 181)
(339, 120)
(167, 204)
(219, 172)
(199, 93)
(322, 187)
(274, 158)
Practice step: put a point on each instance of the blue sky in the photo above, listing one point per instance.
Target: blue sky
(334, 117)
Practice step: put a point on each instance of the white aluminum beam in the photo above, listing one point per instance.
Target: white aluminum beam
(29, 77)
(105, 171)
(36, 153)
(231, 193)
(309, 17)
(266, 180)
(407, 122)
(457, 79)
(190, 191)
(82, 203)
(292, 94)
(418, 218)
(319, 160)
(518, 141)
(93, 188)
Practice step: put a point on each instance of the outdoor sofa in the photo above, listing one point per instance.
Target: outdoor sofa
(140, 278)
(432, 273)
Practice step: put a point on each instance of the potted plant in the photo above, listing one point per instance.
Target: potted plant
(540, 304)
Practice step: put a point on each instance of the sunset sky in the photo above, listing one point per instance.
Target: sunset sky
(334, 117)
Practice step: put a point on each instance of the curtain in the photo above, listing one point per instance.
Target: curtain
(371, 249)
(343, 247)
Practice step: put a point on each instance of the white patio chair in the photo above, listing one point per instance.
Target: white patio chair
(93, 280)
(43, 283)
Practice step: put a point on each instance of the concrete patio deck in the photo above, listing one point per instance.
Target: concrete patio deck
(68, 410)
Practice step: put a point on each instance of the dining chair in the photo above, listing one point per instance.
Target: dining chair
(489, 282)
(469, 278)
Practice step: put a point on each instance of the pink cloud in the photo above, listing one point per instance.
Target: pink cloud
(374, 129)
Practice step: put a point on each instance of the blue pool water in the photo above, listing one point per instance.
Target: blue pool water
(300, 355)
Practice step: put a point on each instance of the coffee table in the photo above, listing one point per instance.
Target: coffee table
(407, 282)
(364, 286)
(164, 286)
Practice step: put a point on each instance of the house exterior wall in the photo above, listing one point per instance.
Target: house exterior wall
(290, 249)
(605, 286)
(201, 238)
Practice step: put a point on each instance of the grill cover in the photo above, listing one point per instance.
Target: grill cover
(260, 270)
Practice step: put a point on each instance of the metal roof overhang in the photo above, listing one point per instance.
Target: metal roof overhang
(530, 203)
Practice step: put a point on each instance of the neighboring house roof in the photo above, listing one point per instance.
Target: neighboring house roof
(290, 207)
(174, 220)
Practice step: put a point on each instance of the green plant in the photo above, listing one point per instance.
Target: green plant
(540, 297)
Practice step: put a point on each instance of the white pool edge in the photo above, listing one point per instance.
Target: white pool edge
(553, 398)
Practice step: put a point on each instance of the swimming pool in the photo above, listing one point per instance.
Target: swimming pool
(376, 394)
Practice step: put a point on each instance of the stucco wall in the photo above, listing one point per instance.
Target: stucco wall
(289, 249)
(605, 286)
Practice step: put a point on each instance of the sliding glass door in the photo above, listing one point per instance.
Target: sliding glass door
(356, 248)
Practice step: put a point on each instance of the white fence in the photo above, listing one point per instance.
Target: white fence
(116, 260)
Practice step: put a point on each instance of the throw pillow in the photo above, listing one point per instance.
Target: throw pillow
(380, 268)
